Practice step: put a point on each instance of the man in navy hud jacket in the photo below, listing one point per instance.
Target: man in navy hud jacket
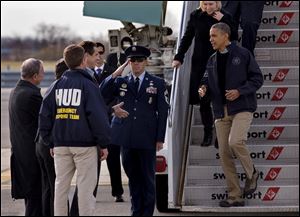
(139, 126)
(73, 119)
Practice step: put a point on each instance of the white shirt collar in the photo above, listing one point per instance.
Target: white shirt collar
(225, 50)
(101, 67)
(141, 77)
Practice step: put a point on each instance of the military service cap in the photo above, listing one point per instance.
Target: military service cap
(137, 51)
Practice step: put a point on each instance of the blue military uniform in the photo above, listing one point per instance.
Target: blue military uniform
(138, 133)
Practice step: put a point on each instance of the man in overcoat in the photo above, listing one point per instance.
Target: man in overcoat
(24, 105)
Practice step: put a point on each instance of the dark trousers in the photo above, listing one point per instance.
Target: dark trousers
(73, 205)
(114, 168)
(248, 14)
(139, 166)
(33, 206)
(206, 114)
(48, 178)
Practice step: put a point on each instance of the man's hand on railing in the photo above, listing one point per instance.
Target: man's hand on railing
(176, 64)
(202, 91)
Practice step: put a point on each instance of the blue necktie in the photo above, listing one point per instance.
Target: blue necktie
(137, 84)
(99, 71)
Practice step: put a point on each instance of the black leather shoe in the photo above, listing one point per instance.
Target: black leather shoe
(251, 184)
(207, 140)
(119, 198)
(232, 201)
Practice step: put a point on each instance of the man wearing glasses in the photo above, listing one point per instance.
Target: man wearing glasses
(139, 127)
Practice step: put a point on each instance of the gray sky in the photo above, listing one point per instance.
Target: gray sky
(20, 18)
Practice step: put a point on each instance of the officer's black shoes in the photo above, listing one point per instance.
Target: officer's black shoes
(207, 140)
(216, 143)
(232, 201)
(251, 184)
(119, 199)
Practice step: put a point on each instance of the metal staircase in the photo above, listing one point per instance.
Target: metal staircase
(273, 138)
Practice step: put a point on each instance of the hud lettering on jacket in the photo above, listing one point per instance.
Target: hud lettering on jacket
(65, 98)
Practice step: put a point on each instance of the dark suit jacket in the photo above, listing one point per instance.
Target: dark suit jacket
(198, 28)
(148, 111)
(107, 71)
(24, 104)
(112, 60)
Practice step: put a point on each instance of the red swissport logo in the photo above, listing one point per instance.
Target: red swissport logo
(284, 37)
(286, 4)
(274, 153)
(271, 194)
(285, 18)
(277, 113)
(272, 174)
(279, 94)
(275, 133)
(281, 75)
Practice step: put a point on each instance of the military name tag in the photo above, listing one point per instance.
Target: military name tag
(152, 90)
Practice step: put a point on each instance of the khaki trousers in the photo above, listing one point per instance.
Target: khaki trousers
(67, 160)
(232, 136)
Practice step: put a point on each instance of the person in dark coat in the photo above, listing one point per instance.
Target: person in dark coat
(24, 104)
(248, 14)
(46, 161)
(232, 78)
(73, 125)
(91, 50)
(198, 27)
(102, 71)
(140, 127)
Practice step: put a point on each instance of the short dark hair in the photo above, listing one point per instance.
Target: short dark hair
(223, 27)
(99, 44)
(60, 68)
(73, 55)
(88, 46)
(30, 67)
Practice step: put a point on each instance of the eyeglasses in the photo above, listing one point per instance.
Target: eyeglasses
(137, 59)
(101, 52)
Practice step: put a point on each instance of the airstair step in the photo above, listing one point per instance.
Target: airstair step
(268, 175)
(267, 114)
(264, 196)
(288, 19)
(273, 154)
(276, 38)
(259, 134)
(281, 75)
(281, 5)
(282, 56)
